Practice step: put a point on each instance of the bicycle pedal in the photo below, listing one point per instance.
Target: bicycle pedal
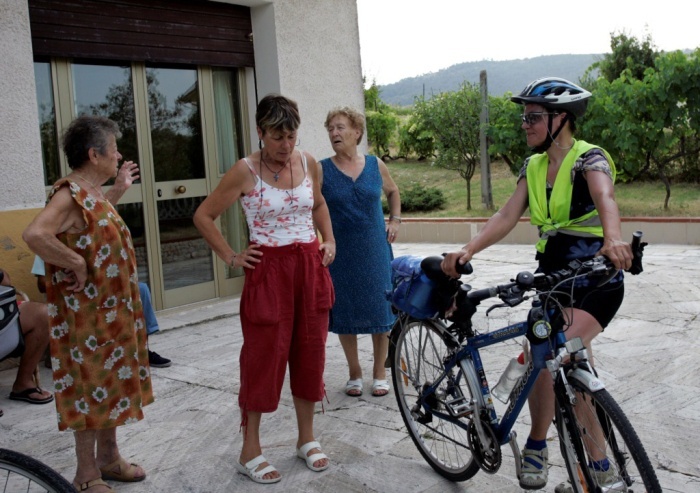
(459, 407)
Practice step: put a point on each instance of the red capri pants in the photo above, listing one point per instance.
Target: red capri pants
(284, 315)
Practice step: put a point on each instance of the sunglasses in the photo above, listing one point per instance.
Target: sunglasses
(534, 117)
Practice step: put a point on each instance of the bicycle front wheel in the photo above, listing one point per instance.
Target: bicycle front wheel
(608, 453)
(19, 472)
(437, 422)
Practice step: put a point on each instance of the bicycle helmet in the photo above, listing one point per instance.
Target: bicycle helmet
(556, 94)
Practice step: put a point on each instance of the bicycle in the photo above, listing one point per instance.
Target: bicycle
(446, 402)
(19, 472)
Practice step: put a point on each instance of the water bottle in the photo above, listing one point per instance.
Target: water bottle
(514, 371)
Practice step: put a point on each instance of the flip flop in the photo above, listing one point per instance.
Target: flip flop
(89, 484)
(249, 469)
(354, 388)
(125, 474)
(310, 459)
(25, 396)
(380, 388)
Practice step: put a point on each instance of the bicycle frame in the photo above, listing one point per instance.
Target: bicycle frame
(476, 377)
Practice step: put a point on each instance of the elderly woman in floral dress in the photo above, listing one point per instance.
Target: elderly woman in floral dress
(98, 337)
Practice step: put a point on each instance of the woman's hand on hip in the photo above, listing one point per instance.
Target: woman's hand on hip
(247, 258)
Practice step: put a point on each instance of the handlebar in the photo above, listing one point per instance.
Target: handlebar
(513, 293)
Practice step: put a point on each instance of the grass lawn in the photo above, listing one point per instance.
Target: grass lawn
(634, 199)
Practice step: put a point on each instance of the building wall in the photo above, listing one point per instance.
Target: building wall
(21, 175)
(309, 50)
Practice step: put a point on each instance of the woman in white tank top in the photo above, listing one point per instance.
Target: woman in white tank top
(288, 293)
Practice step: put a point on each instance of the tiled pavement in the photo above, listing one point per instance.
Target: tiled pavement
(649, 358)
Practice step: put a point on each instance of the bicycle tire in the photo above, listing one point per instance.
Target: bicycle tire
(418, 352)
(19, 472)
(603, 430)
(570, 443)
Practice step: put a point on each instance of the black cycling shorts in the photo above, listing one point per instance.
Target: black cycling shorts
(602, 303)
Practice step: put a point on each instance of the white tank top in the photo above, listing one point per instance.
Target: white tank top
(278, 217)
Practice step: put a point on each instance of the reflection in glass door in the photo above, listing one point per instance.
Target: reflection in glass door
(107, 90)
(179, 169)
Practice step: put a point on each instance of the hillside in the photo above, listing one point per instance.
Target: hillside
(510, 75)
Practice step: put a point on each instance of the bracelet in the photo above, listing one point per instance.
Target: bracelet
(233, 260)
(396, 218)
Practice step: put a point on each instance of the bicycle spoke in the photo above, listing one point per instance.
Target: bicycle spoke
(417, 370)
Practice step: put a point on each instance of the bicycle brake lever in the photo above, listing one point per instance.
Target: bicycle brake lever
(493, 307)
(507, 303)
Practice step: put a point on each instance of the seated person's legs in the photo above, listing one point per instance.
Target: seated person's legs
(154, 359)
(34, 319)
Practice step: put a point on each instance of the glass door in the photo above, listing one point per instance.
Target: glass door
(179, 171)
(107, 90)
(183, 126)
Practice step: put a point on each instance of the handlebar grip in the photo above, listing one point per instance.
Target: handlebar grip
(637, 253)
(482, 294)
(464, 268)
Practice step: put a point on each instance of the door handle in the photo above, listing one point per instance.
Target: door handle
(181, 189)
(160, 192)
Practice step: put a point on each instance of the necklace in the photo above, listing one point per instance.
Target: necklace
(275, 174)
(94, 187)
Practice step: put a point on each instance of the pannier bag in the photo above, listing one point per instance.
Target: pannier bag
(412, 290)
(11, 340)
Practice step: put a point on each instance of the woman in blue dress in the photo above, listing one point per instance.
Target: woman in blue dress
(352, 184)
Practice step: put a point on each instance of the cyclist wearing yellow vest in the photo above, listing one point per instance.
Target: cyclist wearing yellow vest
(568, 187)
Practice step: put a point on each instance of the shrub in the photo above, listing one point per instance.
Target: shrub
(419, 199)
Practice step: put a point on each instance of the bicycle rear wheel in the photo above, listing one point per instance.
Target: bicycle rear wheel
(596, 428)
(442, 439)
(19, 472)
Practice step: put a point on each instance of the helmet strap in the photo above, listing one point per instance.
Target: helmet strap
(551, 136)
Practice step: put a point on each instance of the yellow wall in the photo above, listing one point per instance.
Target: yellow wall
(15, 256)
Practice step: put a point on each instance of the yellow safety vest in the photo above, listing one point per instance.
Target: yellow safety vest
(552, 217)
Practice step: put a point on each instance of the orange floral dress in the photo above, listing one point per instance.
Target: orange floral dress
(98, 335)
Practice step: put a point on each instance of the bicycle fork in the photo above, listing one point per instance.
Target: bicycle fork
(477, 404)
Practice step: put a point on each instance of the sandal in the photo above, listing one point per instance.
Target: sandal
(89, 484)
(354, 388)
(126, 472)
(25, 396)
(249, 469)
(380, 388)
(310, 459)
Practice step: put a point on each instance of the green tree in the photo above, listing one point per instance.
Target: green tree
(453, 119)
(506, 138)
(627, 54)
(373, 100)
(416, 138)
(382, 123)
(381, 128)
(649, 125)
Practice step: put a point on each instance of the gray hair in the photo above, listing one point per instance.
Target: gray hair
(87, 132)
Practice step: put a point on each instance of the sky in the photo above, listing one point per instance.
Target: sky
(407, 38)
